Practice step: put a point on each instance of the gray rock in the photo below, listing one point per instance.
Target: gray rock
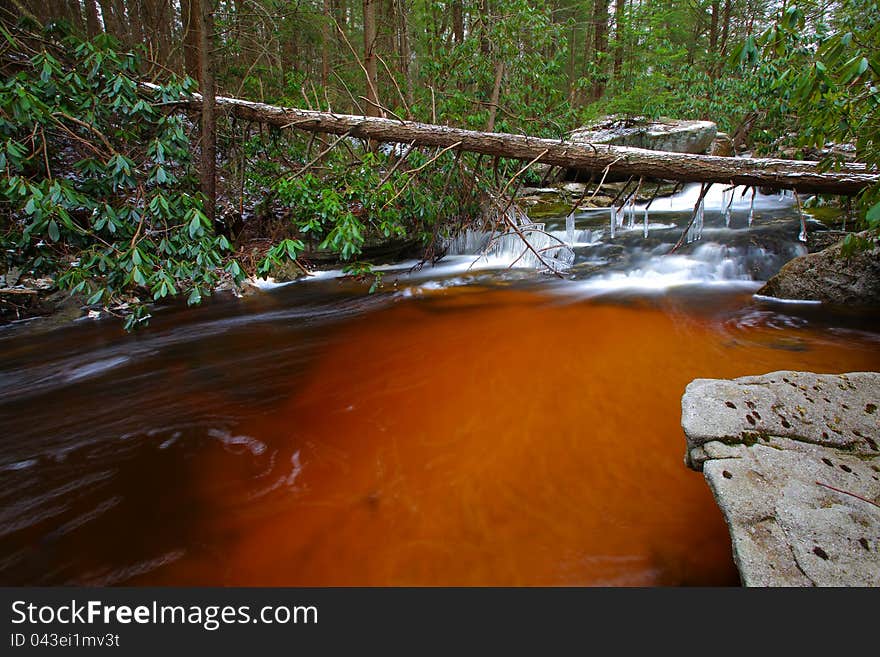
(672, 135)
(799, 482)
(831, 277)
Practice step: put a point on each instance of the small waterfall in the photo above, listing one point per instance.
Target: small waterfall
(521, 243)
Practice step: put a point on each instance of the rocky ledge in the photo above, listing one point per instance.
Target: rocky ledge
(794, 463)
(832, 275)
(673, 135)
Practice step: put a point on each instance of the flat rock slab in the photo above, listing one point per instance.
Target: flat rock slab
(671, 135)
(793, 459)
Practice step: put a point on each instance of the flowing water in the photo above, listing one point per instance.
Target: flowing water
(467, 425)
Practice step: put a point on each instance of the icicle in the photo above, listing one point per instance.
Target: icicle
(752, 207)
(695, 232)
(700, 214)
(569, 229)
(803, 234)
(645, 221)
(728, 195)
(613, 221)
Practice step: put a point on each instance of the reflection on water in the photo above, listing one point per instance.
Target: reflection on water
(466, 426)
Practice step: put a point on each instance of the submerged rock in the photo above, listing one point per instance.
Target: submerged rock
(674, 135)
(794, 463)
(831, 276)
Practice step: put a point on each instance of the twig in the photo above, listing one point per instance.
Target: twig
(46, 155)
(413, 173)
(523, 170)
(703, 189)
(604, 175)
(396, 86)
(358, 60)
(397, 164)
(516, 229)
(654, 195)
(382, 107)
(846, 492)
(320, 155)
(620, 193)
(582, 196)
(90, 128)
(354, 103)
(515, 176)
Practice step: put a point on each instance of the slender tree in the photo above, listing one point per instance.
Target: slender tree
(207, 173)
(600, 47)
(370, 62)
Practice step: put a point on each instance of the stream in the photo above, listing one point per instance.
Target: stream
(468, 424)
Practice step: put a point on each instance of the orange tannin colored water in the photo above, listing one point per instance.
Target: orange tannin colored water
(484, 437)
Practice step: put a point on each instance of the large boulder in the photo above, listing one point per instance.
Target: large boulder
(674, 135)
(794, 463)
(831, 276)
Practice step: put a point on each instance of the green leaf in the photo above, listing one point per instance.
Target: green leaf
(53, 231)
(195, 225)
(873, 216)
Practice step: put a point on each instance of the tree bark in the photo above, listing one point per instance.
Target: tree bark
(713, 27)
(325, 43)
(457, 22)
(93, 23)
(112, 24)
(189, 17)
(406, 67)
(725, 27)
(207, 173)
(619, 43)
(496, 96)
(373, 107)
(801, 175)
(600, 47)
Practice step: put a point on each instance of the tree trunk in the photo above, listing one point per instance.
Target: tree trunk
(713, 28)
(73, 13)
(208, 126)
(120, 10)
(406, 67)
(112, 24)
(619, 43)
(496, 96)
(325, 44)
(788, 174)
(457, 22)
(93, 23)
(373, 108)
(189, 17)
(725, 26)
(600, 47)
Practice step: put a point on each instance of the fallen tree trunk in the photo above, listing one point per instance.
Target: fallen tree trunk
(800, 175)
